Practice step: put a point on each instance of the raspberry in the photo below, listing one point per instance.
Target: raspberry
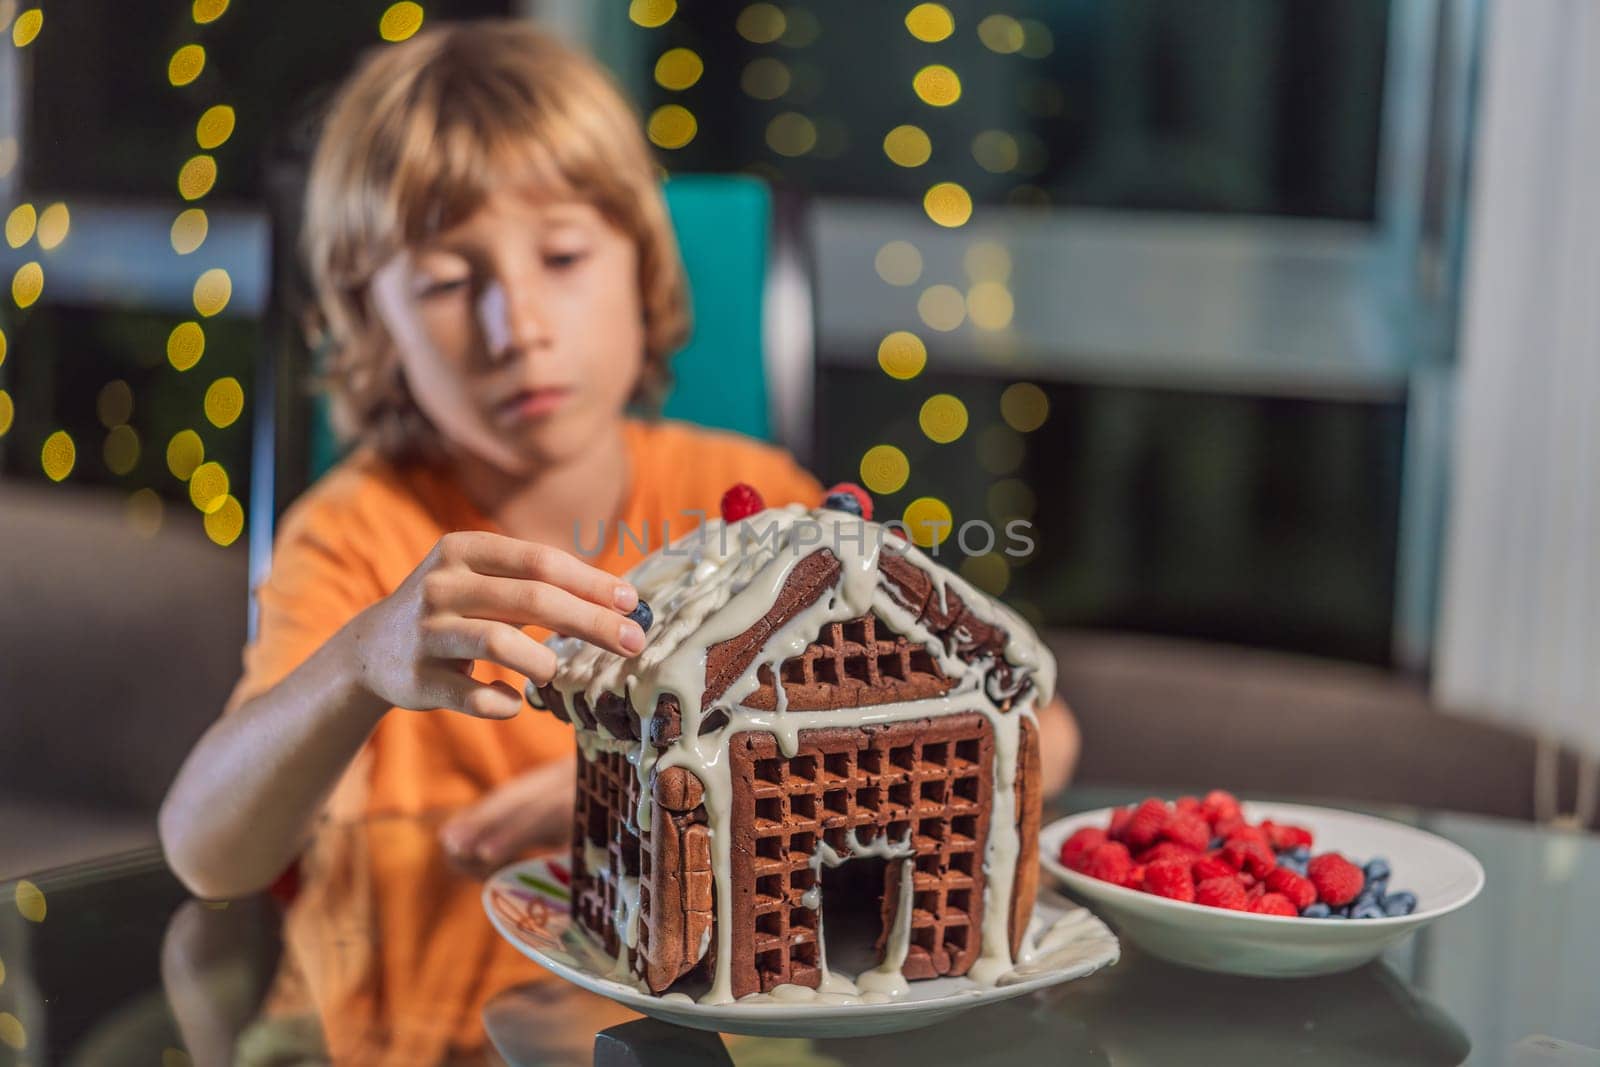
(848, 496)
(1221, 893)
(1210, 867)
(1298, 890)
(1283, 837)
(1275, 904)
(1187, 830)
(741, 502)
(1075, 850)
(1338, 881)
(1188, 805)
(1250, 833)
(1219, 804)
(1110, 863)
(1145, 826)
(1247, 854)
(1120, 818)
(1170, 879)
(1134, 879)
(1167, 850)
(1228, 825)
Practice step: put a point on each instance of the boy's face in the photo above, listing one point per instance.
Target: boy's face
(520, 330)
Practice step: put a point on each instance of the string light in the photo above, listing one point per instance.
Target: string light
(990, 306)
(27, 283)
(995, 150)
(400, 21)
(2, 348)
(948, 204)
(902, 355)
(205, 11)
(936, 85)
(1024, 406)
(679, 68)
(144, 510)
(212, 290)
(189, 230)
(801, 29)
(791, 134)
(20, 225)
(12, 1032)
(224, 402)
(761, 23)
(54, 222)
(928, 521)
(651, 13)
(1001, 33)
(898, 263)
(214, 127)
(197, 177)
(121, 450)
(884, 469)
(942, 308)
(1037, 40)
(226, 522)
(987, 261)
(185, 452)
(671, 126)
(930, 22)
(907, 146)
(208, 486)
(8, 411)
(186, 64)
(58, 455)
(185, 345)
(989, 572)
(765, 78)
(27, 27)
(114, 404)
(943, 418)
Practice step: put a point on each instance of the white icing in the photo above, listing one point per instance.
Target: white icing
(716, 582)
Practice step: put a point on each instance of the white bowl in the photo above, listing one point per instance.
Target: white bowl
(1444, 877)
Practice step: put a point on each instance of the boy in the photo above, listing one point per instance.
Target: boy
(500, 283)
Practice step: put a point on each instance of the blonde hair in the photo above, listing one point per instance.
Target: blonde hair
(415, 140)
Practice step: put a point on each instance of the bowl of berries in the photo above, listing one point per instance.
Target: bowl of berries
(1269, 890)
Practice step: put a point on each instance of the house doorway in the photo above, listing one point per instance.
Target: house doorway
(853, 914)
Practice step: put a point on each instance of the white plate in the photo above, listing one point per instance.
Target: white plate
(1444, 877)
(529, 905)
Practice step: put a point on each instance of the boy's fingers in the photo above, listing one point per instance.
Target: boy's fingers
(541, 604)
(497, 642)
(507, 557)
(446, 688)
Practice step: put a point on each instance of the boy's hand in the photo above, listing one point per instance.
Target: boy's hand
(468, 601)
(531, 811)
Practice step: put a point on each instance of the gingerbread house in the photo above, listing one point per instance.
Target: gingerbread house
(819, 777)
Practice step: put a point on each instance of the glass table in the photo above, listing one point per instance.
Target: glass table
(384, 956)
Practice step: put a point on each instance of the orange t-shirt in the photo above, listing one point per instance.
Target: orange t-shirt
(356, 535)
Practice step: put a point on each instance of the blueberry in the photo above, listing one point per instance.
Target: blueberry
(1341, 913)
(1216, 842)
(1288, 862)
(1367, 909)
(1318, 910)
(643, 615)
(1376, 887)
(1401, 903)
(1302, 853)
(1377, 867)
(843, 502)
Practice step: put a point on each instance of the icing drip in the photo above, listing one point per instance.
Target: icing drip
(714, 584)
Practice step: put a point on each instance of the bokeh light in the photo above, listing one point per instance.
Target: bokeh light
(989, 572)
(226, 522)
(948, 204)
(12, 1032)
(1037, 40)
(930, 22)
(941, 308)
(652, 13)
(937, 85)
(902, 355)
(987, 261)
(214, 126)
(185, 452)
(2, 348)
(907, 146)
(996, 151)
(185, 345)
(400, 20)
(197, 176)
(898, 263)
(765, 78)
(990, 306)
(114, 403)
(224, 402)
(943, 418)
(189, 230)
(186, 64)
(679, 68)
(58, 455)
(1024, 407)
(144, 511)
(205, 11)
(27, 284)
(20, 225)
(54, 222)
(212, 290)
(27, 27)
(121, 450)
(30, 901)
(928, 521)
(8, 412)
(802, 30)
(761, 23)
(791, 134)
(1001, 33)
(1012, 498)
(884, 469)
(671, 126)
(1000, 450)
(208, 486)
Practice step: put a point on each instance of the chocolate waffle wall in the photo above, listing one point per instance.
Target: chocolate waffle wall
(607, 791)
(852, 664)
(926, 778)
